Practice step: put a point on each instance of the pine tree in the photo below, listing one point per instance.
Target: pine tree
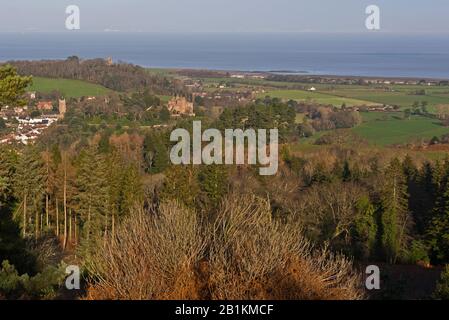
(30, 187)
(131, 188)
(181, 184)
(438, 229)
(51, 165)
(8, 162)
(414, 188)
(56, 159)
(426, 197)
(64, 192)
(155, 153)
(213, 184)
(365, 229)
(12, 86)
(125, 190)
(409, 168)
(395, 219)
(92, 196)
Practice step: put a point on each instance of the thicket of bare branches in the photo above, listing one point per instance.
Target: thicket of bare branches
(150, 256)
(328, 211)
(241, 253)
(256, 257)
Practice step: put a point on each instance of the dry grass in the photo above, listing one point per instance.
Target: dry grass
(241, 254)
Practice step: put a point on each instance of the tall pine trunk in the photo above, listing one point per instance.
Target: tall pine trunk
(106, 218)
(47, 162)
(57, 218)
(25, 215)
(70, 226)
(36, 229)
(76, 230)
(65, 205)
(113, 225)
(88, 224)
(46, 211)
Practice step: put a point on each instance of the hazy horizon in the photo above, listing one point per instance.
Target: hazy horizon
(232, 16)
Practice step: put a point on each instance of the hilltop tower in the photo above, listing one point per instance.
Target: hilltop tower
(62, 107)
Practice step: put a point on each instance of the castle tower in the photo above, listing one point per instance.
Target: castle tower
(62, 107)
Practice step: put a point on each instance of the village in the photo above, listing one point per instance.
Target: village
(25, 124)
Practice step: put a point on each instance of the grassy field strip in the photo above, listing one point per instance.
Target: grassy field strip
(393, 98)
(397, 131)
(69, 88)
(301, 95)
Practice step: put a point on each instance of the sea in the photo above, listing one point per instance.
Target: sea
(368, 54)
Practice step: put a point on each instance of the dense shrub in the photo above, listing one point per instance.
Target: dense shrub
(43, 285)
(241, 253)
(418, 253)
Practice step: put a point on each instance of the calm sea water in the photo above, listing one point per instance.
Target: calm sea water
(371, 54)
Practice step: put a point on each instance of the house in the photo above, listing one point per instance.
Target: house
(44, 105)
(18, 110)
(180, 106)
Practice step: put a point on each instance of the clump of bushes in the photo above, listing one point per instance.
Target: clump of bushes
(43, 285)
(417, 253)
(241, 252)
(442, 290)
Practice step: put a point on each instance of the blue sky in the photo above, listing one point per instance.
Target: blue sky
(409, 16)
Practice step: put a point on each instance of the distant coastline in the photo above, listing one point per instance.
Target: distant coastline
(235, 73)
(297, 73)
(374, 55)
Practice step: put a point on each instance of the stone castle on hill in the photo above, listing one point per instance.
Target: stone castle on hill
(180, 106)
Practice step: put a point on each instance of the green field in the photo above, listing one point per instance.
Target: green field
(389, 128)
(402, 99)
(321, 98)
(401, 95)
(69, 88)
